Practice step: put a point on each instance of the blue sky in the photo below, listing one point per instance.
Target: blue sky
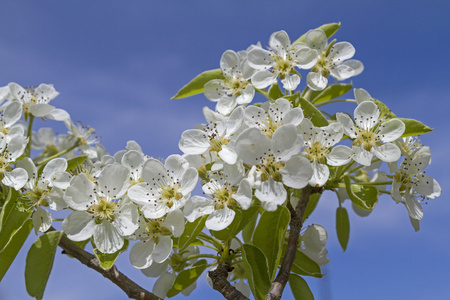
(117, 63)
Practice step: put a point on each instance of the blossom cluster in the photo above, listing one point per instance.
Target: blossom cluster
(244, 155)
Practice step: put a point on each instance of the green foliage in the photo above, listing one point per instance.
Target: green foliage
(329, 30)
(190, 233)
(269, 236)
(330, 92)
(414, 127)
(249, 228)
(365, 197)
(300, 288)
(275, 92)
(304, 265)
(39, 263)
(255, 264)
(312, 204)
(187, 277)
(196, 85)
(312, 113)
(107, 259)
(384, 110)
(73, 163)
(342, 227)
(9, 252)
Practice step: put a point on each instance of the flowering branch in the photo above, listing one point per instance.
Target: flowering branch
(220, 283)
(278, 285)
(133, 290)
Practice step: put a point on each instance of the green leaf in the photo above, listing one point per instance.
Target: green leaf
(330, 92)
(187, 277)
(384, 110)
(73, 163)
(10, 250)
(107, 259)
(247, 231)
(342, 227)
(275, 92)
(255, 265)
(312, 113)
(414, 127)
(196, 85)
(304, 265)
(191, 231)
(329, 30)
(11, 218)
(39, 263)
(365, 197)
(300, 288)
(231, 230)
(269, 235)
(247, 216)
(312, 203)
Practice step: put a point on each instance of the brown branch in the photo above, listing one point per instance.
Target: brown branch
(296, 223)
(133, 290)
(220, 283)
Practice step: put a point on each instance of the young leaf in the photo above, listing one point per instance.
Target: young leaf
(275, 92)
(187, 277)
(107, 259)
(312, 113)
(312, 203)
(342, 227)
(247, 216)
(304, 265)
(231, 230)
(300, 288)
(255, 264)
(9, 252)
(249, 228)
(330, 92)
(269, 235)
(73, 163)
(385, 111)
(329, 30)
(365, 197)
(191, 230)
(196, 86)
(414, 127)
(39, 263)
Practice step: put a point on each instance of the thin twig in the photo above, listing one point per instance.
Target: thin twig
(220, 283)
(296, 223)
(133, 290)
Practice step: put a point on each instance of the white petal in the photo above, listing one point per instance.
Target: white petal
(251, 145)
(388, 152)
(141, 254)
(196, 207)
(259, 58)
(226, 105)
(79, 226)
(305, 57)
(342, 72)
(244, 194)
(12, 113)
(428, 186)
(142, 193)
(293, 116)
(58, 115)
(133, 160)
(297, 172)
(17, 178)
(286, 142)
(40, 110)
(54, 166)
(80, 194)
(391, 130)
(263, 78)
(247, 95)
(320, 174)
(341, 51)
(163, 284)
(153, 171)
(356, 65)
(126, 219)
(162, 249)
(220, 219)
(340, 155)
(55, 199)
(316, 39)
(175, 222)
(114, 180)
(279, 42)
(316, 81)
(366, 115)
(291, 82)
(42, 220)
(362, 95)
(414, 208)
(228, 155)
(107, 238)
(271, 193)
(229, 61)
(347, 122)
(188, 181)
(155, 269)
(362, 156)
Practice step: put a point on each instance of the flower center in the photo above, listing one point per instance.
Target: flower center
(103, 210)
(170, 194)
(223, 196)
(366, 138)
(323, 65)
(155, 229)
(217, 142)
(236, 85)
(316, 152)
(37, 196)
(270, 168)
(283, 66)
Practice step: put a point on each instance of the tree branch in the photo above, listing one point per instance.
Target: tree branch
(220, 283)
(133, 290)
(296, 223)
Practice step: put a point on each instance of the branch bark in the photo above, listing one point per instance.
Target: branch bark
(295, 225)
(220, 283)
(133, 290)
